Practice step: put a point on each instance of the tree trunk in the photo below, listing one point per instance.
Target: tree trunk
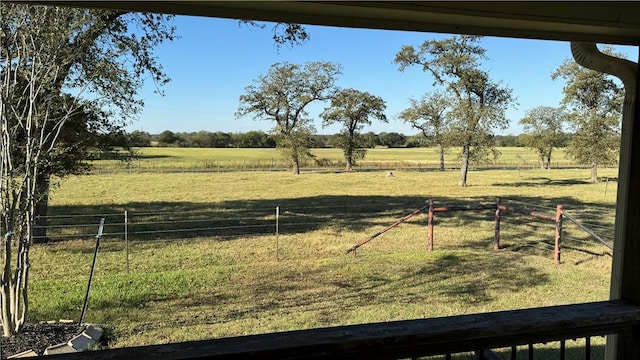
(349, 163)
(6, 292)
(549, 159)
(441, 153)
(41, 208)
(464, 166)
(296, 163)
(541, 161)
(594, 172)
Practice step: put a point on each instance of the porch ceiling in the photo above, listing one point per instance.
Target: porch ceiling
(602, 22)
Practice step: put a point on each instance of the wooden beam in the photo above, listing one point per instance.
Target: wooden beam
(625, 281)
(400, 339)
(602, 22)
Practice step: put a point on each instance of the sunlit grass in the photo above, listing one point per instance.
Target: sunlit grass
(220, 159)
(214, 287)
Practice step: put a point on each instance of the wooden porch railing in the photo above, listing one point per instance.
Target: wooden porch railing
(401, 339)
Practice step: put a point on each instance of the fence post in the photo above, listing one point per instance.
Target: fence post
(430, 224)
(497, 227)
(93, 266)
(277, 233)
(126, 238)
(558, 246)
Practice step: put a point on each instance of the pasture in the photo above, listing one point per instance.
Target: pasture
(217, 285)
(153, 159)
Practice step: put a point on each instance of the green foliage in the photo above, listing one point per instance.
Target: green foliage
(543, 127)
(296, 146)
(430, 116)
(370, 140)
(354, 109)
(594, 100)
(478, 104)
(392, 139)
(282, 96)
(596, 141)
(289, 34)
(139, 138)
(254, 139)
(70, 79)
(508, 141)
(167, 137)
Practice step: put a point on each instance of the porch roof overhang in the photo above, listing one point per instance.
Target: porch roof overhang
(602, 22)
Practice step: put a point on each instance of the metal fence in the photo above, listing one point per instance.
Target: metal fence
(228, 223)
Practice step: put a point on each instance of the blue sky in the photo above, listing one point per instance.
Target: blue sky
(215, 59)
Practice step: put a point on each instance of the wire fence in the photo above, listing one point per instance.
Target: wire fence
(323, 165)
(188, 224)
(235, 223)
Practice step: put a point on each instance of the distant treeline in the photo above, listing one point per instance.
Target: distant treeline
(260, 139)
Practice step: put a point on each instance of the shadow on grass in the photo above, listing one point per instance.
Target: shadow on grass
(148, 156)
(367, 214)
(319, 289)
(323, 293)
(545, 181)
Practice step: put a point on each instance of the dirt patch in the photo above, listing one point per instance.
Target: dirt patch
(38, 337)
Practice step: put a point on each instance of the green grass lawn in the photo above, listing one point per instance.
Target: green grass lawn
(219, 286)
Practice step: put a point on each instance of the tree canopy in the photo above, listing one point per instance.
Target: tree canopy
(430, 115)
(543, 131)
(282, 95)
(594, 101)
(353, 109)
(67, 73)
(479, 104)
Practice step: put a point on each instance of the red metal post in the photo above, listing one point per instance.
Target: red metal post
(403, 219)
(430, 224)
(497, 227)
(558, 247)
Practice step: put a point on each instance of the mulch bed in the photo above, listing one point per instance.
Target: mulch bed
(38, 337)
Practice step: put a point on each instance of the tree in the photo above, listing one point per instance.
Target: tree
(417, 140)
(354, 109)
(319, 141)
(282, 96)
(509, 141)
(392, 139)
(139, 138)
(370, 140)
(543, 131)
(46, 51)
(595, 102)
(167, 138)
(479, 104)
(430, 116)
(283, 33)
(254, 139)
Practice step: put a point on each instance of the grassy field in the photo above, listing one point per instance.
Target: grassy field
(155, 159)
(217, 286)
